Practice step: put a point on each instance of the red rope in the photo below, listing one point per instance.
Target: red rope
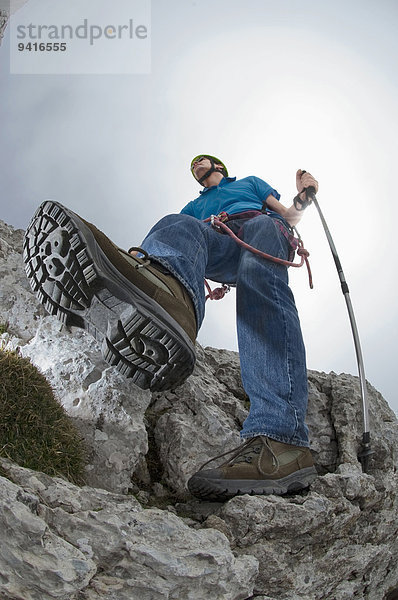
(301, 251)
(217, 293)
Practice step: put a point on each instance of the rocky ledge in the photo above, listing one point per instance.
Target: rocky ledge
(134, 532)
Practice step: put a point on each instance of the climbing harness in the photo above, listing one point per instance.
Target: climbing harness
(219, 221)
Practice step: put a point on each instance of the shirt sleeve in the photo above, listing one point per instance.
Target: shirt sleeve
(263, 189)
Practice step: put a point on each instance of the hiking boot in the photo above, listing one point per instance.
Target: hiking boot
(143, 317)
(258, 466)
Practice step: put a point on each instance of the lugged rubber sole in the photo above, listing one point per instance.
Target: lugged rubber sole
(75, 281)
(222, 489)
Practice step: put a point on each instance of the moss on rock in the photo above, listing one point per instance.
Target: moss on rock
(35, 430)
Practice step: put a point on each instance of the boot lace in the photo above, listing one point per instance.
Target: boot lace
(246, 452)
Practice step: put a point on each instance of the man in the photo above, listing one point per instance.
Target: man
(146, 310)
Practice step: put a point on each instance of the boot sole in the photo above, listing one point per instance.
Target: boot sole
(223, 489)
(75, 281)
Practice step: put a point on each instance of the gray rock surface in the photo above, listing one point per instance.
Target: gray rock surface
(107, 408)
(18, 306)
(3, 23)
(64, 539)
(100, 542)
(7, 8)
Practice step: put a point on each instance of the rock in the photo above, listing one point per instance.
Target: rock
(352, 541)
(67, 539)
(198, 421)
(107, 408)
(337, 540)
(35, 562)
(6, 8)
(18, 306)
(3, 23)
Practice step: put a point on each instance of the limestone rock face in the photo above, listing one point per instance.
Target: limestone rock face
(199, 420)
(3, 22)
(135, 532)
(18, 306)
(7, 8)
(64, 539)
(107, 408)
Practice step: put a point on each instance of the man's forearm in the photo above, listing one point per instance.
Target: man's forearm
(291, 215)
(304, 180)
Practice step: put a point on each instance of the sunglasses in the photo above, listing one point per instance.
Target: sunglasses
(197, 161)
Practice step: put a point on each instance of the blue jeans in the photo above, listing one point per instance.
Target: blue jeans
(271, 348)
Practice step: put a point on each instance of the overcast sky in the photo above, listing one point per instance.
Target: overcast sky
(269, 86)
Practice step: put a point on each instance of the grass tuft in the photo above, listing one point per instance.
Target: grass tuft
(35, 431)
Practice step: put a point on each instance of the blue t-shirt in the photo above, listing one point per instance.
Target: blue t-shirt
(232, 196)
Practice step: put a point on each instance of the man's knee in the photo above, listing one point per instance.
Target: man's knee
(178, 231)
(176, 221)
